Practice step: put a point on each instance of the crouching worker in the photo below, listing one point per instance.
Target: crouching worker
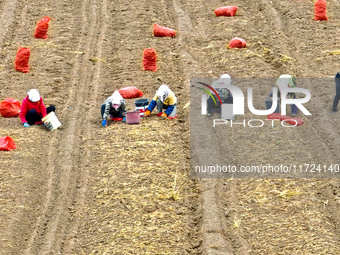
(164, 99)
(221, 87)
(115, 107)
(283, 82)
(33, 109)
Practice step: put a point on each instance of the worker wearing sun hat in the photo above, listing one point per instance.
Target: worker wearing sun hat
(33, 109)
(114, 106)
(164, 99)
(220, 85)
(283, 82)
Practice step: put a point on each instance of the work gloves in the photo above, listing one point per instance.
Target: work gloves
(26, 125)
(147, 113)
(104, 123)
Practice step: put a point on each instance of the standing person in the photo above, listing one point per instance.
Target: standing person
(164, 99)
(337, 93)
(114, 106)
(287, 81)
(33, 109)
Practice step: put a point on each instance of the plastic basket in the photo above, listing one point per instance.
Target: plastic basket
(132, 117)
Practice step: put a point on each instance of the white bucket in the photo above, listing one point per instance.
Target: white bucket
(51, 121)
(141, 109)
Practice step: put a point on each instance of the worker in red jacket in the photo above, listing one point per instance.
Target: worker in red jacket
(33, 109)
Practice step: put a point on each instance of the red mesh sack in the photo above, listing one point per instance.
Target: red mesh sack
(274, 116)
(130, 92)
(320, 10)
(149, 60)
(22, 59)
(9, 108)
(293, 121)
(7, 144)
(237, 43)
(42, 27)
(226, 11)
(160, 31)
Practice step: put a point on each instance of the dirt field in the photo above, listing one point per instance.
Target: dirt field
(124, 189)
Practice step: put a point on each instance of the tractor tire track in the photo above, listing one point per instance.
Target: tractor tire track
(328, 129)
(212, 234)
(48, 206)
(63, 220)
(216, 237)
(15, 24)
(7, 19)
(233, 189)
(7, 24)
(315, 134)
(321, 110)
(65, 176)
(84, 164)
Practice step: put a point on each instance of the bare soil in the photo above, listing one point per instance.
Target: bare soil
(125, 189)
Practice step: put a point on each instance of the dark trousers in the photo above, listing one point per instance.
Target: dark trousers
(32, 116)
(161, 106)
(293, 108)
(113, 113)
(212, 108)
(337, 94)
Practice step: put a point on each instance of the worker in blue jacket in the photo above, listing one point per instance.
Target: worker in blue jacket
(164, 99)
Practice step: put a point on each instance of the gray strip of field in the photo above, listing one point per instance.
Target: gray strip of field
(251, 146)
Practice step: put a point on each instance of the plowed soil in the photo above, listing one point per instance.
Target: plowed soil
(125, 189)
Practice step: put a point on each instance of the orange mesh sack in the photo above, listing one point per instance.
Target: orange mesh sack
(42, 27)
(149, 60)
(226, 11)
(320, 10)
(237, 43)
(159, 31)
(275, 116)
(130, 92)
(294, 121)
(22, 59)
(7, 144)
(10, 108)
(290, 120)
